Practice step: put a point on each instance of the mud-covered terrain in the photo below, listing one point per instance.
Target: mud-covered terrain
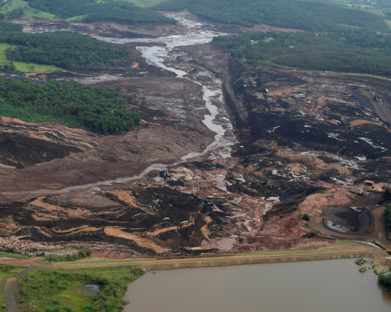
(317, 142)
(228, 157)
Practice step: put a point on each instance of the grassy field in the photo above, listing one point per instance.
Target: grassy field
(3, 57)
(22, 66)
(144, 3)
(78, 18)
(12, 255)
(13, 5)
(61, 289)
(6, 271)
(34, 68)
(37, 13)
(20, 4)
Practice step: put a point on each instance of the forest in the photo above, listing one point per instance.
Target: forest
(72, 104)
(63, 49)
(4, 26)
(307, 15)
(385, 281)
(349, 51)
(109, 10)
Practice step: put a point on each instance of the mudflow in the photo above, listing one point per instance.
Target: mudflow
(228, 157)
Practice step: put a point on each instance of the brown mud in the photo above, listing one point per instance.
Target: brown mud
(307, 142)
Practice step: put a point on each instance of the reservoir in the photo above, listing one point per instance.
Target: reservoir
(322, 286)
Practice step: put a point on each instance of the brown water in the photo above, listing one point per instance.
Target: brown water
(317, 286)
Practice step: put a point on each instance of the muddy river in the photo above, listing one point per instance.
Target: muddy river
(165, 53)
(333, 285)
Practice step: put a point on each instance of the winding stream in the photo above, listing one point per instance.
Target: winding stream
(164, 55)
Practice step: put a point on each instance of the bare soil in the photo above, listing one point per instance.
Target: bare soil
(306, 142)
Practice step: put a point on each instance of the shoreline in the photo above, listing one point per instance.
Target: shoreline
(234, 261)
(338, 250)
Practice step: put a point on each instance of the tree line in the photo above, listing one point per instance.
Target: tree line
(343, 51)
(108, 10)
(63, 49)
(72, 104)
(313, 16)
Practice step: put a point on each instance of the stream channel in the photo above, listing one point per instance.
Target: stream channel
(163, 53)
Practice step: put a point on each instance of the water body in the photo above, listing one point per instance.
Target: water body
(316, 286)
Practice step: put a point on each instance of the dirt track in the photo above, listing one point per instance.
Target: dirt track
(371, 235)
(11, 291)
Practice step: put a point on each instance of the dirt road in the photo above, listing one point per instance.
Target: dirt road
(337, 250)
(11, 290)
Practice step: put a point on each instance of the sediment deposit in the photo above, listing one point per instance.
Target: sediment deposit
(228, 156)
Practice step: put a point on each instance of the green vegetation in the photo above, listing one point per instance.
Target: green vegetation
(63, 8)
(12, 253)
(6, 271)
(63, 258)
(12, 8)
(81, 255)
(37, 13)
(33, 67)
(306, 217)
(145, 3)
(26, 52)
(358, 52)
(10, 27)
(60, 290)
(5, 64)
(109, 10)
(359, 3)
(71, 104)
(387, 219)
(63, 49)
(126, 13)
(9, 66)
(314, 16)
(11, 5)
(385, 281)
(78, 18)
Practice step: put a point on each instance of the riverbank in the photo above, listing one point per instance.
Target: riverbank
(338, 250)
